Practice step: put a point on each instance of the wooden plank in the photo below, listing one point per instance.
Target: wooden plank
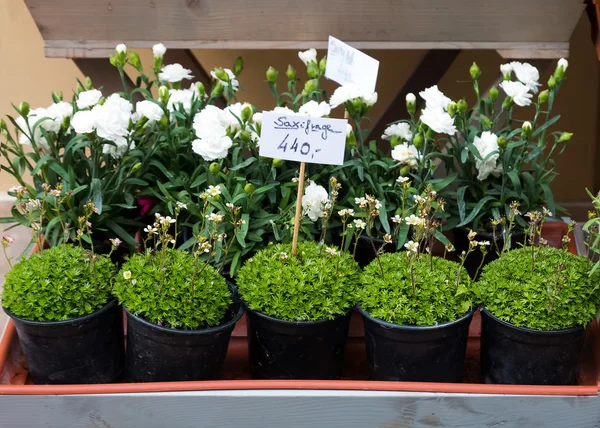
(298, 409)
(463, 21)
(104, 48)
(188, 60)
(431, 69)
(593, 11)
(104, 75)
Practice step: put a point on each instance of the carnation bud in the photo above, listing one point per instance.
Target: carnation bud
(238, 66)
(245, 136)
(561, 68)
(290, 72)
(485, 122)
(411, 103)
(551, 82)
(452, 109)
(246, 113)
(405, 170)
(394, 141)
(351, 139)
(507, 103)
(323, 64)
(163, 94)
(24, 108)
(494, 93)
(221, 74)
(278, 163)
(565, 137)
(462, 106)
(312, 69)
(214, 168)
(136, 166)
(310, 85)
(249, 188)
(163, 123)
(526, 129)
(2, 124)
(475, 71)
(88, 83)
(121, 49)
(57, 96)
(201, 89)
(217, 90)
(418, 140)
(543, 96)
(502, 142)
(272, 74)
(134, 59)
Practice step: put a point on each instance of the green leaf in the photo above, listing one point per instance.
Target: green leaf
(545, 125)
(96, 193)
(241, 236)
(460, 196)
(244, 164)
(475, 211)
(121, 233)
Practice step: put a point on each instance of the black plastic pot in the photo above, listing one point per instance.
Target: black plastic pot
(461, 243)
(296, 350)
(415, 353)
(159, 354)
(89, 349)
(522, 356)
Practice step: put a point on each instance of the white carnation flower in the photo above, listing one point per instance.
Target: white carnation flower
(315, 109)
(112, 123)
(401, 130)
(308, 56)
(174, 73)
(257, 117)
(117, 102)
(60, 111)
(83, 122)
(527, 74)
(181, 97)
(314, 201)
(435, 98)
(26, 137)
(348, 129)
(438, 120)
(410, 98)
(563, 63)
(159, 50)
(121, 48)
(518, 92)
(406, 154)
(486, 145)
(506, 69)
(350, 92)
(88, 98)
(235, 84)
(212, 146)
(150, 110)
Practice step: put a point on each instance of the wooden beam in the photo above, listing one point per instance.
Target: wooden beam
(593, 11)
(105, 48)
(428, 73)
(401, 24)
(104, 75)
(188, 60)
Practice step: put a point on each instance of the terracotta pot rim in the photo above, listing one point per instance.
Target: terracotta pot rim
(570, 330)
(295, 323)
(109, 305)
(391, 325)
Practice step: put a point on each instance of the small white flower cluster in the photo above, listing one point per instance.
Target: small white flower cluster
(435, 114)
(315, 201)
(527, 80)
(413, 220)
(400, 130)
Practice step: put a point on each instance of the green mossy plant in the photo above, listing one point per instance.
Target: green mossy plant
(440, 295)
(60, 283)
(181, 301)
(318, 284)
(556, 293)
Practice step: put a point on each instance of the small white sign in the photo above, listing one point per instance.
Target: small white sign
(346, 64)
(303, 138)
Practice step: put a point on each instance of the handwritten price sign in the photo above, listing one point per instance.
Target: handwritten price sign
(346, 64)
(303, 138)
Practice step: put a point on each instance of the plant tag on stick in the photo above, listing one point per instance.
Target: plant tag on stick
(303, 138)
(346, 64)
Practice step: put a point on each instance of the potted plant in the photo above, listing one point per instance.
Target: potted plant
(59, 299)
(504, 166)
(417, 308)
(180, 311)
(537, 302)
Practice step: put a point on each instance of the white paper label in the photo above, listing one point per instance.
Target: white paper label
(346, 64)
(303, 138)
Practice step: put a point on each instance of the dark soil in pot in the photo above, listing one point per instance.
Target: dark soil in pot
(296, 350)
(461, 243)
(88, 349)
(522, 356)
(416, 353)
(160, 354)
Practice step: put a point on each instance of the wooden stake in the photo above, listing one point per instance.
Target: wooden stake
(298, 208)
